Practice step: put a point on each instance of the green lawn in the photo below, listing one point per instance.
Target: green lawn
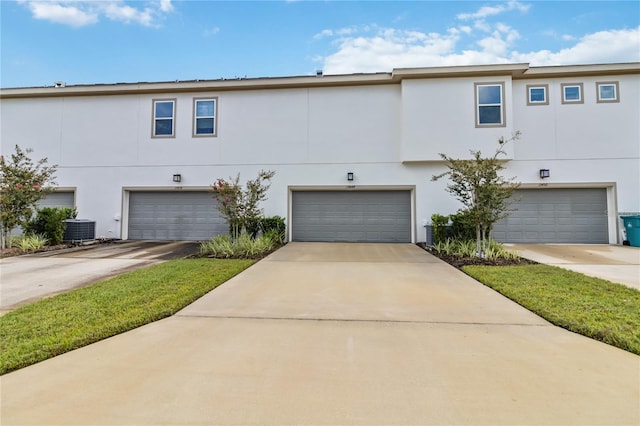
(71, 320)
(589, 306)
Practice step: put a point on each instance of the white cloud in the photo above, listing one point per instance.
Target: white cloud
(391, 48)
(340, 32)
(487, 11)
(475, 41)
(62, 13)
(78, 13)
(211, 31)
(166, 6)
(387, 49)
(323, 34)
(600, 47)
(117, 11)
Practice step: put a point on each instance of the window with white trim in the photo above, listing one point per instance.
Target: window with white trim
(164, 115)
(537, 94)
(490, 104)
(204, 117)
(572, 93)
(607, 91)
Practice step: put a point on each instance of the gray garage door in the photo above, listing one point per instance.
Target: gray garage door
(356, 216)
(174, 216)
(57, 199)
(556, 216)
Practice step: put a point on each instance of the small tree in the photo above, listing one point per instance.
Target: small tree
(482, 191)
(22, 184)
(241, 206)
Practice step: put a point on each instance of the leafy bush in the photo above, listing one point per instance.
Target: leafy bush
(243, 247)
(252, 226)
(49, 222)
(275, 226)
(440, 226)
(30, 243)
(462, 227)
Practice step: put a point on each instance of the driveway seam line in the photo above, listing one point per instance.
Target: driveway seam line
(359, 320)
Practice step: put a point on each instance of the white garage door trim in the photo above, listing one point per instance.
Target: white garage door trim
(410, 188)
(612, 204)
(126, 195)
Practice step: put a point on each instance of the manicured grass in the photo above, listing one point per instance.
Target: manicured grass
(589, 306)
(71, 320)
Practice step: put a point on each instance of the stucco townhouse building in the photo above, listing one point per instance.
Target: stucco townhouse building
(353, 154)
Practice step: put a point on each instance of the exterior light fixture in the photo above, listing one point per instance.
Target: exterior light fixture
(177, 177)
(350, 176)
(544, 173)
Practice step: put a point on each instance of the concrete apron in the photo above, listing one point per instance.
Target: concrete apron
(336, 334)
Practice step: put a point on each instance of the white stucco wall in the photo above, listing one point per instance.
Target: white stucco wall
(387, 135)
(587, 143)
(438, 116)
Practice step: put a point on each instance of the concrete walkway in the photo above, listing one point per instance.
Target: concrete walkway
(337, 334)
(618, 264)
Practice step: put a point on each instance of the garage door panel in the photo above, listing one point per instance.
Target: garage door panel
(380, 216)
(57, 199)
(174, 216)
(556, 215)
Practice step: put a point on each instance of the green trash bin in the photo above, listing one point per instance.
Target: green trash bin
(632, 227)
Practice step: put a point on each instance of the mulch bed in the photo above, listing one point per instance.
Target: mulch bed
(459, 262)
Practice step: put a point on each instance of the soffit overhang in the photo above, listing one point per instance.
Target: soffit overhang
(518, 71)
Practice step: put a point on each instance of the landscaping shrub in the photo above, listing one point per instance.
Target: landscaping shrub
(243, 247)
(30, 243)
(274, 225)
(467, 248)
(440, 226)
(49, 222)
(497, 251)
(462, 228)
(252, 226)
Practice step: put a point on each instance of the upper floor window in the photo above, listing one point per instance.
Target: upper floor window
(164, 115)
(204, 116)
(572, 93)
(607, 91)
(537, 94)
(490, 105)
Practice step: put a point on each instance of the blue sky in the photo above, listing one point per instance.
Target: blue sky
(86, 42)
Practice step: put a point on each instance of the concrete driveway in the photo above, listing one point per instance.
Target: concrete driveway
(32, 277)
(337, 334)
(618, 264)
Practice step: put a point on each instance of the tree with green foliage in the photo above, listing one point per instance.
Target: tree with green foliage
(483, 192)
(23, 183)
(241, 206)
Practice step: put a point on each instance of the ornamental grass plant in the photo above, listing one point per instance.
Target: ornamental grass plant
(243, 247)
